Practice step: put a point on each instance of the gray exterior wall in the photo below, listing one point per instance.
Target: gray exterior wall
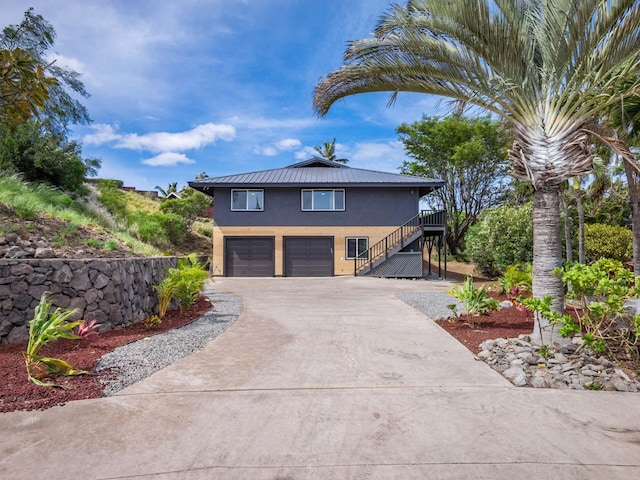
(364, 206)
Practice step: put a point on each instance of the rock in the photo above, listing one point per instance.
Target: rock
(620, 385)
(538, 382)
(484, 354)
(22, 269)
(622, 375)
(520, 380)
(513, 372)
(506, 304)
(43, 252)
(101, 281)
(588, 372)
(16, 252)
(569, 348)
(62, 275)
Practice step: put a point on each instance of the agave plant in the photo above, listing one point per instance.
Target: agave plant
(45, 328)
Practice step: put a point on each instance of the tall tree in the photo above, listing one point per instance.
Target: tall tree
(470, 156)
(36, 37)
(328, 151)
(537, 64)
(24, 87)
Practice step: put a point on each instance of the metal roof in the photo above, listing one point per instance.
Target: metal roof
(316, 172)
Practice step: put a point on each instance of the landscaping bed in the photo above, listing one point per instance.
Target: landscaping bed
(18, 393)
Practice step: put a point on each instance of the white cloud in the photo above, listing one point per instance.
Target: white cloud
(288, 144)
(284, 145)
(103, 134)
(306, 153)
(198, 137)
(167, 159)
(386, 156)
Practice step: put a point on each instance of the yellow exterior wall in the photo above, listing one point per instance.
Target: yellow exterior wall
(341, 266)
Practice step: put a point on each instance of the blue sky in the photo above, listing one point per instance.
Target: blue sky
(219, 86)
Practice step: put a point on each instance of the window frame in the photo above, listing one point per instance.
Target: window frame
(357, 240)
(333, 199)
(247, 209)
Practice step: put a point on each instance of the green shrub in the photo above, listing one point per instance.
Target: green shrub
(173, 225)
(503, 237)
(183, 284)
(516, 278)
(476, 301)
(150, 230)
(112, 198)
(192, 205)
(606, 241)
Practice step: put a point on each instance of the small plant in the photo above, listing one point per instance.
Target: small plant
(183, 284)
(110, 245)
(476, 301)
(88, 330)
(94, 243)
(593, 386)
(152, 321)
(515, 279)
(546, 352)
(43, 329)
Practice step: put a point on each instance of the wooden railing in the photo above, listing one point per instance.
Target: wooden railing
(396, 239)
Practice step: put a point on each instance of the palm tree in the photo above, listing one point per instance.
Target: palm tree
(328, 151)
(172, 188)
(543, 66)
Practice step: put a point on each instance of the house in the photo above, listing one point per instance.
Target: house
(321, 218)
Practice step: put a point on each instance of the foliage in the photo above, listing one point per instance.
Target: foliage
(189, 207)
(43, 157)
(599, 291)
(88, 330)
(172, 188)
(328, 151)
(24, 88)
(606, 241)
(44, 329)
(515, 277)
(476, 301)
(503, 237)
(36, 36)
(112, 198)
(470, 156)
(152, 321)
(182, 284)
(611, 208)
(161, 229)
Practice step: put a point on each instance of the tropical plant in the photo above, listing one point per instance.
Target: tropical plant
(475, 301)
(328, 151)
(515, 280)
(599, 292)
(88, 330)
(470, 156)
(152, 321)
(545, 67)
(171, 188)
(182, 284)
(45, 328)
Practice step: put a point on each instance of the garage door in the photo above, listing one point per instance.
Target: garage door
(249, 257)
(308, 256)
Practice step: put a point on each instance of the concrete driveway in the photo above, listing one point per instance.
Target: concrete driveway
(328, 378)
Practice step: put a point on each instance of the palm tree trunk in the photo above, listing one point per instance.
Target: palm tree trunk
(567, 228)
(582, 256)
(635, 216)
(547, 256)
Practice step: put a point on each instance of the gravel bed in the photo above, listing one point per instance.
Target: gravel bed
(137, 360)
(432, 304)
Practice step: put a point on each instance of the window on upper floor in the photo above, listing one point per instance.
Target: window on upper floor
(247, 200)
(322, 200)
(357, 247)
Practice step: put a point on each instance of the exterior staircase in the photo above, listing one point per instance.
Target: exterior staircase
(387, 258)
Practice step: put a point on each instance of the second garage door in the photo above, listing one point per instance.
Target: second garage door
(249, 257)
(308, 256)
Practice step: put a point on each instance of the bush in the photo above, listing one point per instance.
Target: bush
(182, 284)
(192, 205)
(606, 241)
(173, 226)
(503, 237)
(161, 229)
(112, 198)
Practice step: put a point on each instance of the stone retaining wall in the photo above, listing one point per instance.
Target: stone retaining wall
(115, 292)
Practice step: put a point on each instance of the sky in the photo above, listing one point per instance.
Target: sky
(219, 86)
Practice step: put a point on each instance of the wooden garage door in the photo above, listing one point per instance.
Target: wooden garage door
(308, 256)
(249, 257)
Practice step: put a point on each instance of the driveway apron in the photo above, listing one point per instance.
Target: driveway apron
(328, 378)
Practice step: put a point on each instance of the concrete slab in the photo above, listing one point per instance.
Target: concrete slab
(328, 378)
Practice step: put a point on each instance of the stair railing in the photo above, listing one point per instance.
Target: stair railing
(397, 238)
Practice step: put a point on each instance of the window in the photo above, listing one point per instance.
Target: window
(322, 200)
(357, 247)
(247, 200)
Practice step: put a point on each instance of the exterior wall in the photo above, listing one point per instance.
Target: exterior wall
(364, 206)
(115, 292)
(340, 233)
